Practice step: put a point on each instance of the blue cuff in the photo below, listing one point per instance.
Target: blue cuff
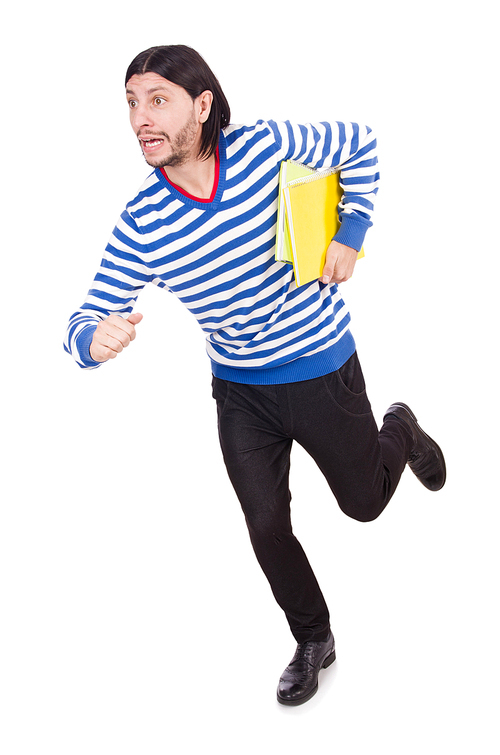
(83, 341)
(352, 231)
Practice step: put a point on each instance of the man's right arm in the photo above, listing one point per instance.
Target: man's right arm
(104, 325)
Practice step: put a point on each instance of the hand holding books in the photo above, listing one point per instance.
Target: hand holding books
(339, 264)
(307, 222)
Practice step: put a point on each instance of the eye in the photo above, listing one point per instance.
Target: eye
(132, 104)
(159, 100)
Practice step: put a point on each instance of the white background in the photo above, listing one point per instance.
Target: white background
(135, 618)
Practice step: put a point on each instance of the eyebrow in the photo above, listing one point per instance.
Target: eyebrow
(149, 91)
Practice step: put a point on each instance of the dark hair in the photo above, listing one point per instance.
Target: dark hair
(185, 67)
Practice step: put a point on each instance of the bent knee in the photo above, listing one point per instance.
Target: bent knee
(363, 509)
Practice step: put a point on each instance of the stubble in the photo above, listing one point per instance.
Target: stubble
(181, 146)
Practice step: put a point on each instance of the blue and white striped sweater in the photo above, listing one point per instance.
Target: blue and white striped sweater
(218, 256)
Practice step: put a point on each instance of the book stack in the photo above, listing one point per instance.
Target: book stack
(307, 218)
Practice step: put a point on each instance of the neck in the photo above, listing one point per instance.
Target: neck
(196, 177)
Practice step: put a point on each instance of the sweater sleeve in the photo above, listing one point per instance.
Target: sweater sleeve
(122, 274)
(351, 148)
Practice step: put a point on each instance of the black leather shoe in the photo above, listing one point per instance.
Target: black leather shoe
(299, 681)
(426, 458)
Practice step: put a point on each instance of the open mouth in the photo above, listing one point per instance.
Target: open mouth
(151, 144)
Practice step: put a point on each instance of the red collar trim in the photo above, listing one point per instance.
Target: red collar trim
(214, 188)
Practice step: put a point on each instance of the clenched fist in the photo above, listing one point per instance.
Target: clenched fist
(112, 335)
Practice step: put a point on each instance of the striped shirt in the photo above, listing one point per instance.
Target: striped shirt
(217, 255)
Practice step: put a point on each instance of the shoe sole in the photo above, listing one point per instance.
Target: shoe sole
(298, 701)
(438, 450)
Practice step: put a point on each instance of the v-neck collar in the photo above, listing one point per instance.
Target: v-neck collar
(219, 181)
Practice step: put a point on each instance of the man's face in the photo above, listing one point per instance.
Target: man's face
(165, 120)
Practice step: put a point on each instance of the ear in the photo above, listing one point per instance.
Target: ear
(204, 105)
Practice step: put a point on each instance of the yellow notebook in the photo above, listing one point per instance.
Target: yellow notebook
(307, 218)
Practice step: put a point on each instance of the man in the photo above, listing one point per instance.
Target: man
(284, 361)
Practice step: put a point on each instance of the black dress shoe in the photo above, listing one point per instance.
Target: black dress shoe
(299, 681)
(426, 458)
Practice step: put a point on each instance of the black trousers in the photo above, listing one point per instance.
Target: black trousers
(332, 419)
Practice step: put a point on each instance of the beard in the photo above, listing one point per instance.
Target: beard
(181, 146)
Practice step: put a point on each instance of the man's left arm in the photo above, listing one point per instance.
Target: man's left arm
(359, 178)
(352, 149)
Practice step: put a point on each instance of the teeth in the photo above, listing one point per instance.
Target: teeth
(152, 142)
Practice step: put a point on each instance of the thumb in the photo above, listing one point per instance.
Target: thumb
(328, 271)
(134, 318)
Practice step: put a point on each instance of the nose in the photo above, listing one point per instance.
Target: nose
(140, 117)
